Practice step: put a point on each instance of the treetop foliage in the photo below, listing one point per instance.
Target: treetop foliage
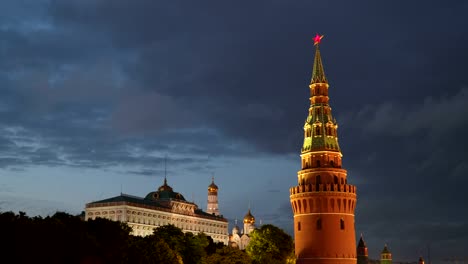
(63, 238)
(272, 245)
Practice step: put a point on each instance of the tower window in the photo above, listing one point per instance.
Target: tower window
(298, 226)
(318, 180)
(319, 224)
(341, 224)
(335, 179)
(318, 163)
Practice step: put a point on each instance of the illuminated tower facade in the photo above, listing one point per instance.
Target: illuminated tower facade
(212, 206)
(362, 253)
(385, 256)
(323, 202)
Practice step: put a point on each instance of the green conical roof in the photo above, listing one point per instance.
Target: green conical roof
(385, 250)
(318, 74)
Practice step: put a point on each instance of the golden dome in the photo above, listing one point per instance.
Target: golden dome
(249, 218)
(212, 187)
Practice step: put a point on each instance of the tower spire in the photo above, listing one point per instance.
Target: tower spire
(165, 170)
(318, 74)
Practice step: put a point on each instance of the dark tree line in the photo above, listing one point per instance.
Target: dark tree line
(63, 238)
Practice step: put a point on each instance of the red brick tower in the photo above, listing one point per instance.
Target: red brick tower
(323, 202)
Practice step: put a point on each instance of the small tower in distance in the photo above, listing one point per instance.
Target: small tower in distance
(362, 254)
(386, 256)
(421, 260)
(212, 206)
(249, 223)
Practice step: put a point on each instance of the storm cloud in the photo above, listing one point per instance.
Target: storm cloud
(115, 86)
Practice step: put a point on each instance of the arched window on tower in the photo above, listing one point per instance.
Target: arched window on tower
(335, 179)
(318, 163)
(342, 224)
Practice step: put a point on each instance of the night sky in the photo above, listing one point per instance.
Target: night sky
(95, 93)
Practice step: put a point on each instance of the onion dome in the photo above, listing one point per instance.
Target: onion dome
(249, 218)
(212, 187)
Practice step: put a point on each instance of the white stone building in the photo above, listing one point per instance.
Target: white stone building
(159, 208)
(241, 238)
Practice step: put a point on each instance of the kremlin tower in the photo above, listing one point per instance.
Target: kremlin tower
(386, 256)
(362, 254)
(323, 202)
(421, 260)
(212, 206)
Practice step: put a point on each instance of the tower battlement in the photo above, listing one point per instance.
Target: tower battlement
(328, 187)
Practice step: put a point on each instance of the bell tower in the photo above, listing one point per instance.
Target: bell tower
(323, 202)
(212, 206)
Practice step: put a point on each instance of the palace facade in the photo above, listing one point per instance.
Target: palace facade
(163, 207)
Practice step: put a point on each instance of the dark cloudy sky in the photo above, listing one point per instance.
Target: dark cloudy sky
(94, 94)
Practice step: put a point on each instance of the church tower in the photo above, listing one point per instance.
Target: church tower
(212, 206)
(323, 202)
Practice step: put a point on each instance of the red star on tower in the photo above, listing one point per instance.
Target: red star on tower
(317, 39)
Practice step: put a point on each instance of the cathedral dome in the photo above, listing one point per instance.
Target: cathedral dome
(164, 192)
(249, 218)
(164, 187)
